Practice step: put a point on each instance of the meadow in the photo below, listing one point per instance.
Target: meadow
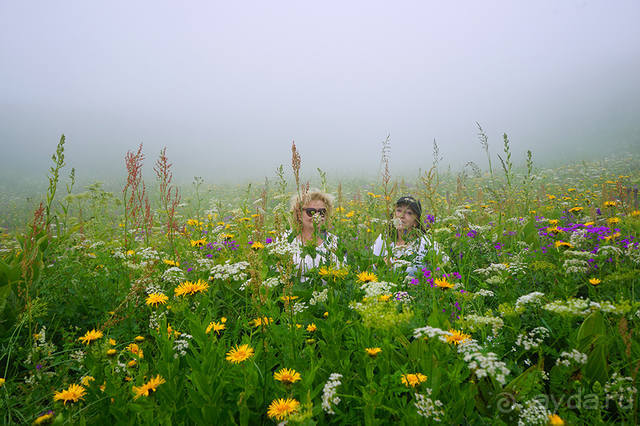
(159, 304)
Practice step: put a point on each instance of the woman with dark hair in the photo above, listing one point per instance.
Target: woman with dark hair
(408, 243)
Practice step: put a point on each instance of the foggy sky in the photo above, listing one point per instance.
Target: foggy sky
(226, 86)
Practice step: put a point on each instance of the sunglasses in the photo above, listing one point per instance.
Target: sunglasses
(311, 212)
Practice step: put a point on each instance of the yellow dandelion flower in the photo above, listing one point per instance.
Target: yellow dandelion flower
(594, 281)
(326, 314)
(86, 380)
(311, 328)
(565, 244)
(287, 376)
(238, 354)
(90, 336)
(413, 380)
(72, 394)
(139, 339)
(366, 277)
(198, 243)
(189, 287)
(148, 387)
(2, 381)
(442, 283)
(373, 352)
(111, 352)
(555, 420)
(43, 418)
(217, 327)
(171, 262)
(155, 299)
(257, 245)
(282, 408)
(456, 337)
(130, 252)
(575, 209)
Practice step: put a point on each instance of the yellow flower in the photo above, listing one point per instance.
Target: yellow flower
(130, 252)
(237, 354)
(43, 418)
(111, 352)
(198, 243)
(150, 386)
(373, 352)
(442, 283)
(90, 336)
(288, 298)
(86, 380)
(609, 203)
(559, 244)
(261, 321)
(282, 408)
(155, 299)
(112, 342)
(188, 287)
(553, 221)
(326, 314)
(594, 281)
(635, 213)
(412, 380)
(613, 220)
(131, 363)
(575, 209)
(215, 326)
(139, 339)
(350, 214)
(365, 277)
(311, 328)
(257, 245)
(287, 376)
(193, 222)
(332, 272)
(2, 380)
(555, 420)
(553, 230)
(72, 394)
(588, 224)
(135, 349)
(171, 262)
(456, 337)
(384, 297)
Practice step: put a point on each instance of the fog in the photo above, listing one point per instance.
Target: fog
(227, 86)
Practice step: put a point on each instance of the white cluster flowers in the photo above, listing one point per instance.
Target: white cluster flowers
(329, 396)
(621, 390)
(483, 293)
(493, 268)
(608, 251)
(439, 231)
(578, 254)
(154, 319)
(429, 332)
(474, 321)
(575, 266)
(531, 298)
(148, 253)
(403, 297)
(578, 237)
(319, 296)
(582, 307)
(483, 364)
(532, 339)
(532, 412)
(280, 247)
(173, 275)
(299, 307)
(375, 289)
(230, 271)
(153, 288)
(573, 357)
(428, 408)
(181, 345)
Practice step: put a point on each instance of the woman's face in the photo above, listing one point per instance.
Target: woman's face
(313, 211)
(407, 219)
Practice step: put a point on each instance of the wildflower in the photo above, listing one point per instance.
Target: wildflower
(189, 287)
(613, 220)
(112, 342)
(155, 299)
(329, 393)
(257, 245)
(130, 252)
(373, 352)
(86, 380)
(553, 230)
(90, 336)
(2, 380)
(555, 420)
(139, 339)
(635, 213)
(326, 314)
(287, 376)
(261, 321)
(215, 326)
(366, 277)
(575, 209)
(288, 299)
(135, 349)
(311, 328)
(586, 224)
(442, 283)
(559, 244)
(456, 337)
(132, 363)
(282, 408)
(171, 262)
(609, 203)
(238, 354)
(43, 418)
(594, 281)
(412, 380)
(111, 352)
(148, 387)
(72, 394)
(198, 243)
(350, 214)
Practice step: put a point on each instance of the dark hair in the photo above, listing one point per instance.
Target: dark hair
(415, 207)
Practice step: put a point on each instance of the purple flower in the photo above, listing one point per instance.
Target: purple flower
(268, 240)
(472, 233)
(38, 366)
(430, 218)
(415, 281)
(498, 246)
(190, 269)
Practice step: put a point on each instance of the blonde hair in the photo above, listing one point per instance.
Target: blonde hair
(299, 200)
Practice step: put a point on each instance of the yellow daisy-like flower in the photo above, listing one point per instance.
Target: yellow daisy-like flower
(261, 321)
(555, 420)
(193, 222)
(613, 220)
(326, 314)
(575, 209)
(238, 354)
(588, 224)
(333, 273)
(257, 245)
(609, 203)
(112, 342)
(43, 418)
(553, 222)
(635, 213)
(130, 252)
(191, 288)
(373, 352)
(71, 394)
(148, 387)
(456, 337)
(554, 230)
(198, 243)
(282, 408)
(132, 363)
(155, 299)
(135, 349)
(111, 352)
(90, 336)
(413, 380)
(442, 283)
(384, 297)
(86, 380)
(288, 299)
(366, 277)
(171, 262)
(2, 380)
(139, 339)
(311, 328)
(217, 327)
(594, 281)
(559, 244)
(287, 376)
